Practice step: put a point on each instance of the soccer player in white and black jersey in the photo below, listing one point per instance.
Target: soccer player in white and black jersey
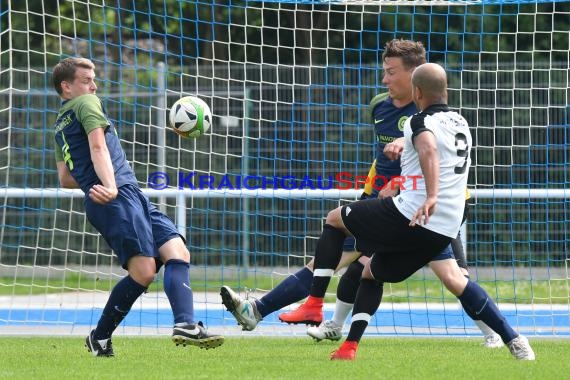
(406, 232)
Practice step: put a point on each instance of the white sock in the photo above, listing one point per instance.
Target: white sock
(341, 312)
(486, 330)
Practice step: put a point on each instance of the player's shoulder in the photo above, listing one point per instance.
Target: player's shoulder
(418, 119)
(87, 99)
(86, 104)
(378, 99)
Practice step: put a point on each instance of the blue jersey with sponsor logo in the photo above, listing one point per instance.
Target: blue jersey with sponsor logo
(388, 123)
(76, 119)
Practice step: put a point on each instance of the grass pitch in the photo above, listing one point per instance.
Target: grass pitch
(278, 358)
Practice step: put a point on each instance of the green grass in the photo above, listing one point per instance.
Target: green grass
(278, 358)
(416, 288)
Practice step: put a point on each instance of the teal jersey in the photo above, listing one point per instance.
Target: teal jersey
(388, 121)
(76, 119)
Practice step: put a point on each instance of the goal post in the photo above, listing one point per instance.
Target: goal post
(288, 83)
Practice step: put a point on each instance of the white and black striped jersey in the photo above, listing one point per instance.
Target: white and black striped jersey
(454, 147)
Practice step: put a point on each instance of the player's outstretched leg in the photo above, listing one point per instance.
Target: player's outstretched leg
(491, 338)
(476, 300)
(248, 314)
(244, 311)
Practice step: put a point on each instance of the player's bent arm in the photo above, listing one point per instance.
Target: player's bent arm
(391, 189)
(394, 149)
(66, 180)
(103, 167)
(426, 146)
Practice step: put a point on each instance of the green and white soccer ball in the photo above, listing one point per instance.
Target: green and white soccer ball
(190, 117)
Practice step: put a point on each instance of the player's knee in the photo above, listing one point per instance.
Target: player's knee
(144, 278)
(142, 269)
(184, 255)
(455, 282)
(334, 219)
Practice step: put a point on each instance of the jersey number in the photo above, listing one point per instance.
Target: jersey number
(462, 151)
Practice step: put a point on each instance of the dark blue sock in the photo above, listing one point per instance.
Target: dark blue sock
(476, 301)
(120, 301)
(178, 291)
(294, 288)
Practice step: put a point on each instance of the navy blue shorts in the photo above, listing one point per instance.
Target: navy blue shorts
(349, 244)
(131, 225)
(447, 253)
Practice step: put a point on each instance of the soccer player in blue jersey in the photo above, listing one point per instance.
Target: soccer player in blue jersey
(388, 111)
(89, 156)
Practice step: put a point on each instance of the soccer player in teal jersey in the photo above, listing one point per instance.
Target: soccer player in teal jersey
(88, 155)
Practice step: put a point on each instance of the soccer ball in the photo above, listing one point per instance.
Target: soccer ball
(190, 117)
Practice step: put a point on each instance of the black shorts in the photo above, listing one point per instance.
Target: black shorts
(399, 250)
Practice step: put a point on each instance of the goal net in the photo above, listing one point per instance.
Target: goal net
(288, 84)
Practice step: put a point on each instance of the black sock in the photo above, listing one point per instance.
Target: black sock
(349, 282)
(367, 301)
(327, 257)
